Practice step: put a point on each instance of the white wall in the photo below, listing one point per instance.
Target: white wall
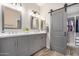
(73, 10)
(25, 14)
(0, 18)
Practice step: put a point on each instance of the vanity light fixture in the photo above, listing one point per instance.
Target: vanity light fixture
(35, 14)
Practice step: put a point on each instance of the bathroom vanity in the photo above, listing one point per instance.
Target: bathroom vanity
(21, 44)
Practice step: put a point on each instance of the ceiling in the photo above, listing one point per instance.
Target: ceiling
(45, 4)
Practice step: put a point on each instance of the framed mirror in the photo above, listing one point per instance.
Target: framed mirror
(34, 23)
(43, 24)
(11, 19)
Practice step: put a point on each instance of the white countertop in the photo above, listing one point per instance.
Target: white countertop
(3, 35)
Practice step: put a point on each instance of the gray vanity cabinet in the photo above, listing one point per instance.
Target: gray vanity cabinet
(33, 47)
(23, 46)
(27, 45)
(14, 46)
(7, 46)
(36, 42)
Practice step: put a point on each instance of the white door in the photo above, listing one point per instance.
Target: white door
(58, 30)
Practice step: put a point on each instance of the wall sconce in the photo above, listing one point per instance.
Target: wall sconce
(35, 14)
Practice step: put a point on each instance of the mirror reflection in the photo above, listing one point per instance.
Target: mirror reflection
(12, 18)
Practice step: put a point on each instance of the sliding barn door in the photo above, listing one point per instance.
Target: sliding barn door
(58, 30)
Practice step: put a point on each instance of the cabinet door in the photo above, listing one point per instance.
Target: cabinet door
(43, 40)
(36, 43)
(7, 46)
(23, 45)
